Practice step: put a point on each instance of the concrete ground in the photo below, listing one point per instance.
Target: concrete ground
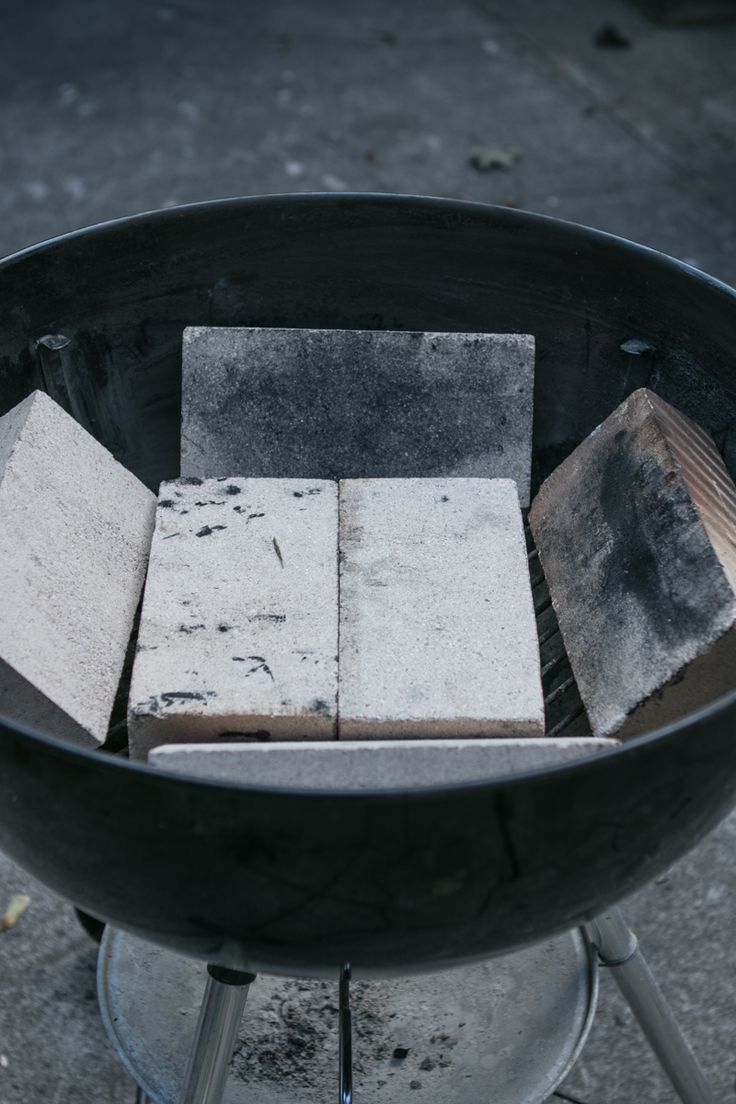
(110, 108)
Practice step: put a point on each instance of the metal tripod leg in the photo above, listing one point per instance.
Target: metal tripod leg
(345, 1074)
(214, 1038)
(618, 948)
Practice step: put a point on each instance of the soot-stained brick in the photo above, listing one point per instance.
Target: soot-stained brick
(636, 536)
(255, 608)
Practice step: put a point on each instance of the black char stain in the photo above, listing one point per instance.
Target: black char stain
(231, 489)
(260, 665)
(277, 550)
(206, 530)
(371, 414)
(260, 735)
(636, 564)
(185, 695)
(242, 510)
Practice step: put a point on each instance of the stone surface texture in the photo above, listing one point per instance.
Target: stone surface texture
(292, 402)
(365, 765)
(238, 631)
(75, 531)
(437, 629)
(636, 533)
(390, 98)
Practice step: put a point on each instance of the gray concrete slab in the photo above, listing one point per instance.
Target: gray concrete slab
(685, 921)
(135, 106)
(52, 1044)
(658, 89)
(107, 109)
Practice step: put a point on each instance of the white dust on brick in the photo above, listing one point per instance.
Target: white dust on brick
(238, 634)
(437, 628)
(365, 765)
(75, 530)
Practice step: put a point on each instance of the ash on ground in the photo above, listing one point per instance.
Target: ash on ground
(291, 1034)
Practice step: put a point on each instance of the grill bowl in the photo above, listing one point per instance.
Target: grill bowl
(299, 882)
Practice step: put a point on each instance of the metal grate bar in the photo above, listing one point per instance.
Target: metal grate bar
(559, 691)
(566, 723)
(564, 711)
(549, 667)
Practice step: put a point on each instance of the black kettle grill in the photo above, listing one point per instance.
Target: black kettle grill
(304, 882)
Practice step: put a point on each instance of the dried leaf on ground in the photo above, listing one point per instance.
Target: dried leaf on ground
(611, 37)
(17, 905)
(487, 158)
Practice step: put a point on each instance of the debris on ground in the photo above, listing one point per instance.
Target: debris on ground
(334, 183)
(17, 905)
(488, 158)
(291, 1035)
(610, 37)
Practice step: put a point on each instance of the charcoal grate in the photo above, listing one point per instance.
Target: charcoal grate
(564, 710)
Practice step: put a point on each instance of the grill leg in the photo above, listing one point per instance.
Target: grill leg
(345, 1075)
(618, 948)
(214, 1038)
